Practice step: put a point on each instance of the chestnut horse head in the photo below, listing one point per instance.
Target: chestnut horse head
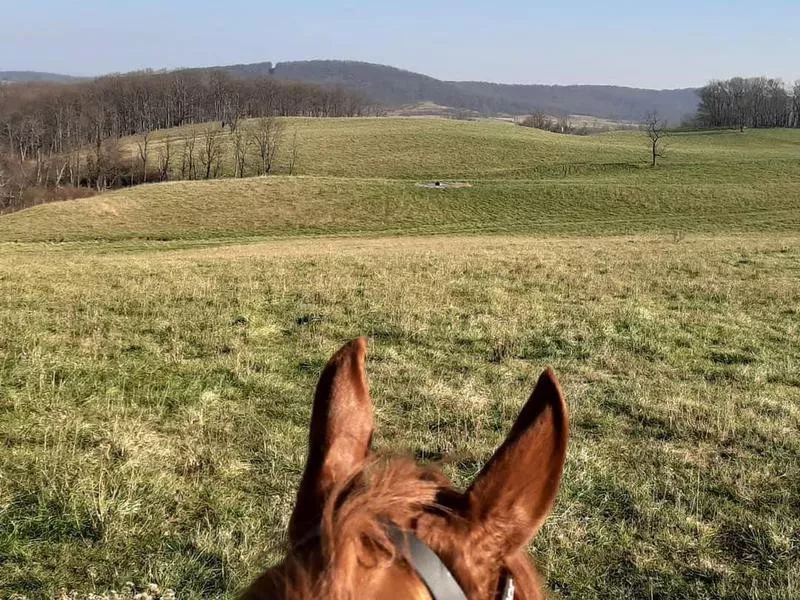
(394, 530)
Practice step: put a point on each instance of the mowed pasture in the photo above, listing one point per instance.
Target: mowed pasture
(157, 366)
(413, 148)
(359, 176)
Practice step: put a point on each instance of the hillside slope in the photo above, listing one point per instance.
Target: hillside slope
(420, 149)
(298, 206)
(360, 177)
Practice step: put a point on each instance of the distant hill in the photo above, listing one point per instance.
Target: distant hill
(607, 101)
(31, 76)
(394, 87)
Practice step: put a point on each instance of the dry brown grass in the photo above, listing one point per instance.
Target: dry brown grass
(154, 400)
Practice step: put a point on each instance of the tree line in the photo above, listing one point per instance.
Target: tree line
(250, 150)
(543, 121)
(754, 102)
(64, 135)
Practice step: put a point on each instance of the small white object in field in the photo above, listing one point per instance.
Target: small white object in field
(440, 185)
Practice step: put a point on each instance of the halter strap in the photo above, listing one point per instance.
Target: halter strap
(430, 568)
(426, 564)
(434, 573)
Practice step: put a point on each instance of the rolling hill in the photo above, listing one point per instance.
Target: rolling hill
(361, 176)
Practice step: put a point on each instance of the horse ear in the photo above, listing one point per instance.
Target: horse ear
(513, 494)
(339, 438)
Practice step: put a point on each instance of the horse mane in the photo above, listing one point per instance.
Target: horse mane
(353, 530)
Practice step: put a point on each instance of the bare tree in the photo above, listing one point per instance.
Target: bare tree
(12, 183)
(656, 130)
(234, 109)
(74, 158)
(293, 154)
(60, 176)
(538, 120)
(188, 169)
(143, 144)
(266, 135)
(6, 195)
(106, 164)
(239, 151)
(164, 160)
(210, 151)
(746, 102)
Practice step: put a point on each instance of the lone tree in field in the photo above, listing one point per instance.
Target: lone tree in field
(656, 130)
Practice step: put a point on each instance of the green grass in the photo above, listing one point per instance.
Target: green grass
(359, 177)
(398, 148)
(156, 371)
(154, 404)
(287, 206)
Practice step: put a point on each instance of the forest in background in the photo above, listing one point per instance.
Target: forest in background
(60, 140)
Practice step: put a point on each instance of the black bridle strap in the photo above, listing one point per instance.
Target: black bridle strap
(434, 573)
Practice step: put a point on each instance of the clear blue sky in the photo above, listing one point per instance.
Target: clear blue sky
(674, 43)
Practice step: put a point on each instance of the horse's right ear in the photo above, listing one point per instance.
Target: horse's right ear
(341, 429)
(515, 491)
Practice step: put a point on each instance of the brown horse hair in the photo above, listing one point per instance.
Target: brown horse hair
(385, 490)
(338, 540)
(353, 529)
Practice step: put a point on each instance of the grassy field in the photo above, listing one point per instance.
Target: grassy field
(443, 148)
(156, 368)
(359, 177)
(155, 403)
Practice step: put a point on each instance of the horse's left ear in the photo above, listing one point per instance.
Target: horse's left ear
(341, 429)
(513, 494)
